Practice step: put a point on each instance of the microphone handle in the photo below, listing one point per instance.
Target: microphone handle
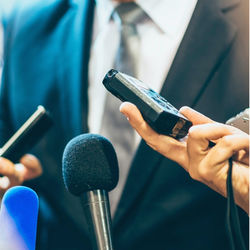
(96, 208)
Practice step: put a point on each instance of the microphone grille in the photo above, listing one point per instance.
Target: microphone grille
(89, 163)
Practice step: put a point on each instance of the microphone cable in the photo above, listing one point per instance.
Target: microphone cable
(232, 217)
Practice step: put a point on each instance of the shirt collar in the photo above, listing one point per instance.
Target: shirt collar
(168, 15)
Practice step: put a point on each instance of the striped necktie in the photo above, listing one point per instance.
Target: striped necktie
(114, 125)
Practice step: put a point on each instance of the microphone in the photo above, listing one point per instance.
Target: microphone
(18, 219)
(90, 170)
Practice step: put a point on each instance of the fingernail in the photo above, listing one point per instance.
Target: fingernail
(19, 167)
(27, 159)
(124, 113)
(4, 182)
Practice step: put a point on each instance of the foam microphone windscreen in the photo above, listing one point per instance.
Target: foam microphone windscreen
(18, 219)
(89, 163)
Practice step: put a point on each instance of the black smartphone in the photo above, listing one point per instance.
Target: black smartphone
(163, 117)
(27, 135)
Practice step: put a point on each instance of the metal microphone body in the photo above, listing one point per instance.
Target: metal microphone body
(96, 208)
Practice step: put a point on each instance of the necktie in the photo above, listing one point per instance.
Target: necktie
(114, 125)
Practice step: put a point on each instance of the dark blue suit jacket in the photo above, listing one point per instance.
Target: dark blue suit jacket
(47, 47)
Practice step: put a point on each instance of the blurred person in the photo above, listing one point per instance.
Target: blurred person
(56, 54)
(29, 167)
(203, 163)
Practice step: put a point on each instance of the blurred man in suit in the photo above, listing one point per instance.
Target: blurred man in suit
(56, 54)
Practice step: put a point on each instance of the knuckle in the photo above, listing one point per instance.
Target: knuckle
(227, 142)
(193, 174)
(192, 134)
(203, 173)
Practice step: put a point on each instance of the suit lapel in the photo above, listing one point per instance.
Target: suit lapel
(75, 51)
(205, 44)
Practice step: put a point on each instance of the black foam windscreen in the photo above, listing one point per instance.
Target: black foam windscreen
(89, 163)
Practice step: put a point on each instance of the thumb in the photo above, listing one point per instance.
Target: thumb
(194, 116)
(32, 167)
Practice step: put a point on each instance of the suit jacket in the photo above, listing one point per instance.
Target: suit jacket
(47, 48)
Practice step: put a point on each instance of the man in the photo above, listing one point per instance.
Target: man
(56, 53)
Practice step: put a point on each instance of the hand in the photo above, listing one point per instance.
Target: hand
(205, 164)
(210, 165)
(167, 146)
(16, 174)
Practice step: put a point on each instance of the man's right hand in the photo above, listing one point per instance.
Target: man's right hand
(15, 174)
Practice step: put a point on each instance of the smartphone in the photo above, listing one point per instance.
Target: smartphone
(163, 117)
(27, 135)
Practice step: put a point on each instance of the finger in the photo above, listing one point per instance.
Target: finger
(32, 168)
(7, 168)
(138, 123)
(242, 156)
(200, 135)
(194, 116)
(228, 146)
(165, 145)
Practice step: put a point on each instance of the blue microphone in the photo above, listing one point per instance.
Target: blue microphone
(18, 219)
